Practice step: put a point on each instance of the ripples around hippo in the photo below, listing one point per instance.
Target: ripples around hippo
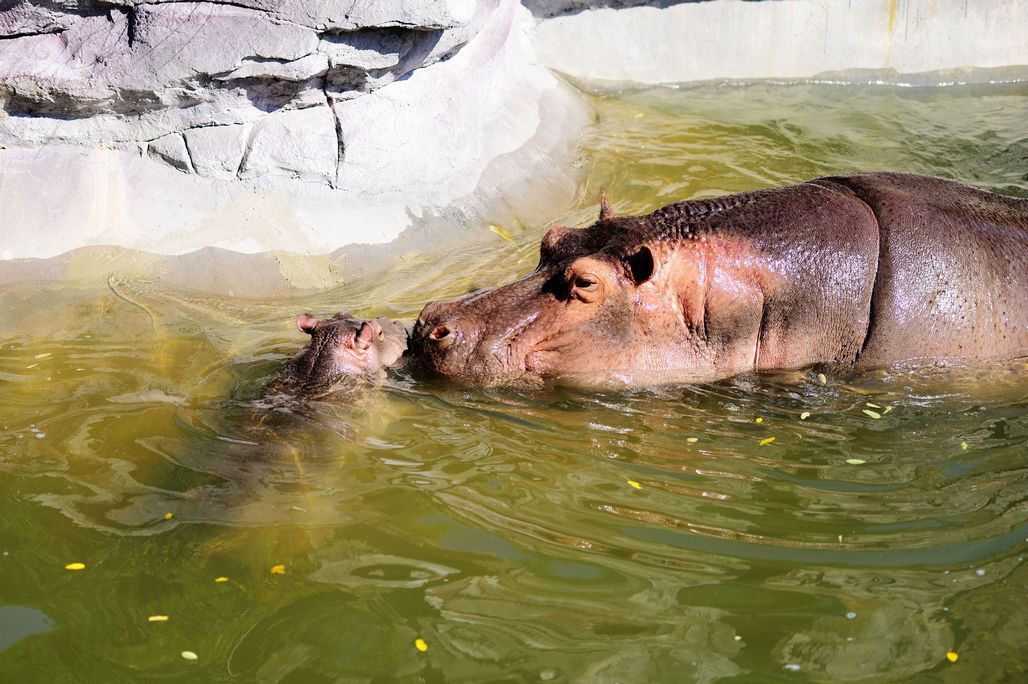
(758, 529)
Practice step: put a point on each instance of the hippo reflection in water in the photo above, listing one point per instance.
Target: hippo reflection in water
(343, 353)
(857, 271)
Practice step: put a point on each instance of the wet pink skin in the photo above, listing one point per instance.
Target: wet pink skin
(857, 271)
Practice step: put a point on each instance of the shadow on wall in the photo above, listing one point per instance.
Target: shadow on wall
(555, 8)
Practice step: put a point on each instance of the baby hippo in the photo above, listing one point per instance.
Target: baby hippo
(343, 352)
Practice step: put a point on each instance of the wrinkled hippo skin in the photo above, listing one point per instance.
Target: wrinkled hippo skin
(343, 353)
(858, 271)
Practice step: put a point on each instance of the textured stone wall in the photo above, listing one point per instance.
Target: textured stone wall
(238, 89)
(259, 125)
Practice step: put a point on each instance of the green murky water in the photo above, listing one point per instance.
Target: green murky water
(502, 528)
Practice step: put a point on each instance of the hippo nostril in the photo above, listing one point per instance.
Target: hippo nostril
(439, 333)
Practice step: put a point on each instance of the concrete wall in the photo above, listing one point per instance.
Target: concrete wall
(786, 39)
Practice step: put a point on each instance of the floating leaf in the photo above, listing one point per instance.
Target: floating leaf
(822, 379)
(421, 644)
(766, 441)
(221, 579)
(635, 484)
(805, 415)
(189, 655)
(872, 414)
(169, 516)
(952, 656)
(887, 409)
(502, 233)
(856, 461)
(278, 569)
(75, 566)
(157, 618)
(869, 404)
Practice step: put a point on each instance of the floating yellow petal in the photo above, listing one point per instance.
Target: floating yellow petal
(872, 414)
(856, 461)
(766, 441)
(278, 569)
(635, 484)
(189, 655)
(502, 233)
(805, 415)
(952, 656)
(822, 379)
(887, 409)
(157, 618)
(169, 516)
(221, 579)
(963, 445)
(421, 644)
(75, 566)
(692, 440)
(870, 405)
(840, 538)
(759, 420)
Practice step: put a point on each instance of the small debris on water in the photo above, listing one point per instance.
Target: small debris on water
(75, 566)
(840, 538)
(40, 435)
(805, 415)
(189, 655)
(872, 414)
(952, 656)
(738, 637)
(157, 618)
(766, 441)
(887, 409)
(759, 420)
(421, 644)
(634, 484)
(502, 233)
(278, 569)
(856, 461)
(824, 381)
(221, 579)
(792, 667)
(870, 405)
(169, 516)
(692, 440)
(980, 572)
(851, 615)
(963, 445)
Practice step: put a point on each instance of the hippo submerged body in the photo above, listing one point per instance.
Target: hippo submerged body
(858, 271)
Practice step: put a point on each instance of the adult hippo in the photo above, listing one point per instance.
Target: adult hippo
(857, 271)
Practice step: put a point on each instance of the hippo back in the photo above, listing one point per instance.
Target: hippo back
(952, 273)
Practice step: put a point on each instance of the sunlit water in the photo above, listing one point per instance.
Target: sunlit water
(561, 536)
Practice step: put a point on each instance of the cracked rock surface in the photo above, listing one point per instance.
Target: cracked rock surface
(169, 126)
(157, 73)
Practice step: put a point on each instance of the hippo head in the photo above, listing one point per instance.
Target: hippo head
(611, 304)
(342, 350)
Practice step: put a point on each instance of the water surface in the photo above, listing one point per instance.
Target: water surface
(555, 536)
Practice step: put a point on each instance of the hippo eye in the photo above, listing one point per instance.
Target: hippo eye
(585, 282)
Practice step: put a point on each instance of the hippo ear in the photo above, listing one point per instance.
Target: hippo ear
(364, 337)
(640, 265)
(306, 323)
(605, 211)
